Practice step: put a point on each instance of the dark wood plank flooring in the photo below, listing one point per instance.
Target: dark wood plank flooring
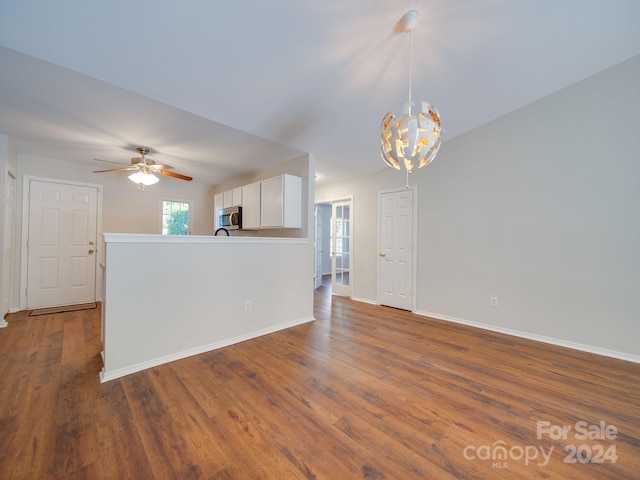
(363, 392)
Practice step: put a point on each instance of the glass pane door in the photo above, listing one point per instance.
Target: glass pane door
(341, 251)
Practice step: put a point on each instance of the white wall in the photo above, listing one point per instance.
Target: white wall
(168, 298)
(540, 208)
(8, 166)
(4, 153)
(4, 168)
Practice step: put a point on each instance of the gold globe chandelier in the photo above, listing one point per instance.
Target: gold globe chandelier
(412, 138)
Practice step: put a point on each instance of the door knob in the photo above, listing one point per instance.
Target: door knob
(91, 251)
(383, 254)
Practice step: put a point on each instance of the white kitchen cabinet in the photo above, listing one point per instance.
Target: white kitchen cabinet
(228, 199)
(281, 202)
(233, 198)
(236, 194)
(251, 206)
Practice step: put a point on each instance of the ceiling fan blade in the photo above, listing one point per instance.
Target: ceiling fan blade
(175, 175)
(160, 167)
(109, 161)
(124, 169)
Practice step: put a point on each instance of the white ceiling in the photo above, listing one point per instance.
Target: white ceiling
(82, 80)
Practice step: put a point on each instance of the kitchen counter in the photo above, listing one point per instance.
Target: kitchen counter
(192, 239)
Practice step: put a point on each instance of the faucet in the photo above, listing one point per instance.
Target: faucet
(223, 229)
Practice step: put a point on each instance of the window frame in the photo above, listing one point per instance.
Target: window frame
(175, 200)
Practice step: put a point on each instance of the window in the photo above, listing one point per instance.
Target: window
(175, 218)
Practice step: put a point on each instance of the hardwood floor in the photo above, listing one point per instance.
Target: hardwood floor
(363, 392)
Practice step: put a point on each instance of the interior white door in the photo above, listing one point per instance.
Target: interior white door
(61, 258)
(396, 249)
(341, 254)
(318, 246)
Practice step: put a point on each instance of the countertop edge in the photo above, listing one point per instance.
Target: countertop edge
(152, 238)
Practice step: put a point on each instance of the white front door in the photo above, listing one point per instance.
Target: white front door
(396, 249)
(341, 231)
(62, 230)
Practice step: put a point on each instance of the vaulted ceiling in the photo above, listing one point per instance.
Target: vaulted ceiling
(218, 89)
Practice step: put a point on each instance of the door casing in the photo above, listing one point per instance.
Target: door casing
(414, 241)
(318, 247)
(25, 232)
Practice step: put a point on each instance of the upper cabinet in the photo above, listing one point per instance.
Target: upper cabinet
(232, 198)
(272, 203)
(251, 206)
(281, 202)
(236, 194)
(228, 199)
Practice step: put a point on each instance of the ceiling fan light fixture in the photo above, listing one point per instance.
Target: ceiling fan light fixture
(142, 178)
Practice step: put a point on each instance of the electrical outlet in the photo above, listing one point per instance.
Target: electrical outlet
(247, 305)
(493, 301)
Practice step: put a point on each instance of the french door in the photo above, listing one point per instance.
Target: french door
(341, 247)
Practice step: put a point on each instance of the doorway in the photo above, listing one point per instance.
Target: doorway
(397, 237)
(341, 243)
(60, 225)
(334, 245)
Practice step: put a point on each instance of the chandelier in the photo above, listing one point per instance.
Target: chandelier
(412, 138)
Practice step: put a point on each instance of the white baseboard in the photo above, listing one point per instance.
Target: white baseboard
(364, 300)
(538, 338)
(121, 372)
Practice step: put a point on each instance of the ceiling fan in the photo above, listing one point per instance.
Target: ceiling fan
(144, 170)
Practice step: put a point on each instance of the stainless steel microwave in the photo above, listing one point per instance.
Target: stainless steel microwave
(230, 218)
